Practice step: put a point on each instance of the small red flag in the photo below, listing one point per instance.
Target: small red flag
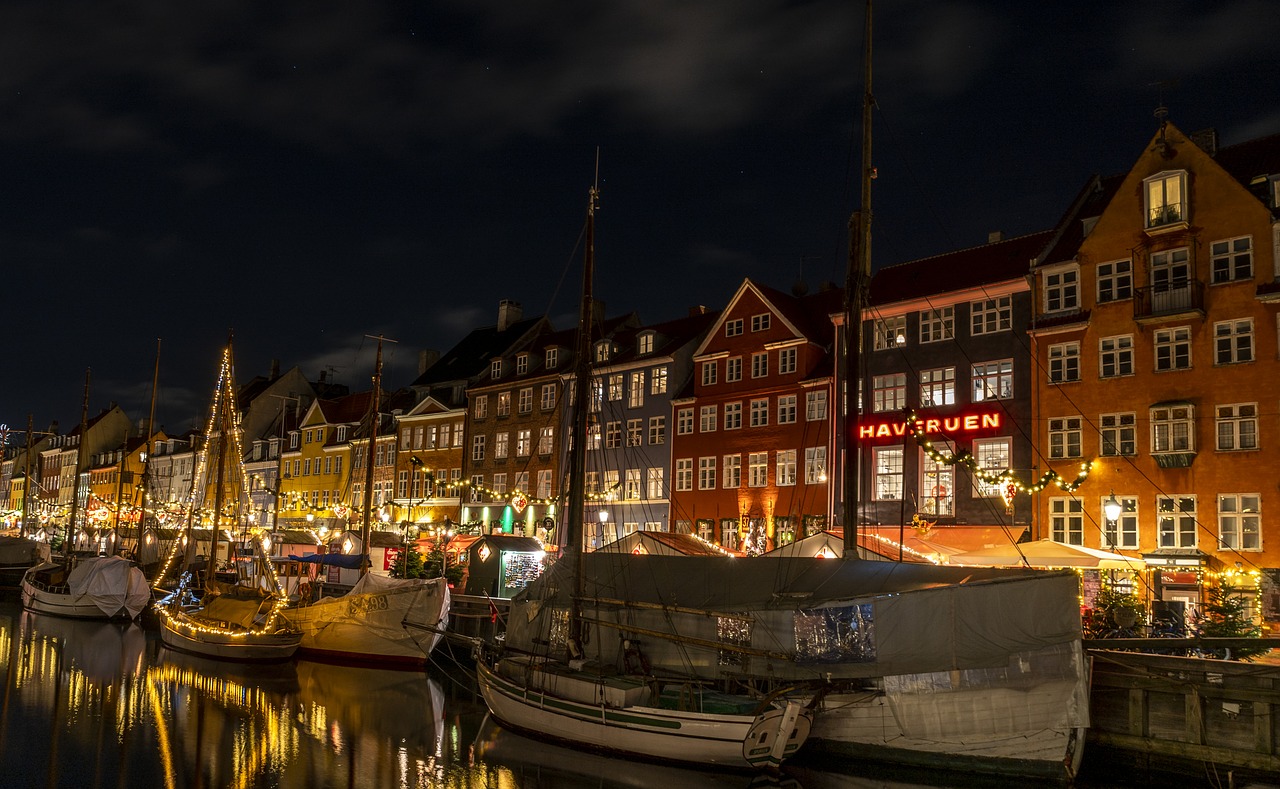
(493, 612)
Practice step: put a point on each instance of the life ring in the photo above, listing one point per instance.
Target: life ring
(939, 491)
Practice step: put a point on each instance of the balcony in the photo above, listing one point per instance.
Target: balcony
(1178, 299)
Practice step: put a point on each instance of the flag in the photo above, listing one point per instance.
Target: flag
(493, 611)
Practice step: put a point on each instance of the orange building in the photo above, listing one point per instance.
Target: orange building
(1155, 336)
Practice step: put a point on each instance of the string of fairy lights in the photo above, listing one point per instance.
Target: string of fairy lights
(223, 417)
(1004, 477)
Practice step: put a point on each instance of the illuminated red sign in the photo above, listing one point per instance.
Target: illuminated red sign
(968, 423)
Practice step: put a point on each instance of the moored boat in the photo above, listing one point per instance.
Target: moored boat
(89, 587)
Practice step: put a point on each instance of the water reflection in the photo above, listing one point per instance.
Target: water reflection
(93, 704)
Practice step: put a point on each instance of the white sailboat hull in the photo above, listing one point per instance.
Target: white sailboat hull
(671, 735)
(115, 590)
(185, 635)
(399, 622)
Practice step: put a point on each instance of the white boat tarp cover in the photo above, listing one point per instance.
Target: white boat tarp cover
(354, 606)
(847, 619)
(113, 583)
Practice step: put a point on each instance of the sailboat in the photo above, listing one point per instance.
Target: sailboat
(615, 704)
(237, 620)
(84, 587)
(385, 620)
(974, 669)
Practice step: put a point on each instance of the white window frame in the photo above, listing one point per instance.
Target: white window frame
(938, 387)
(888, 392)
(731, 472)
(1119, 433)
(1165, 206)
(1172, 349)
(1176, 525)
(787, 409)
(815, 405)
(757, 469)
(887, 466)
(733, 369)
(1123, 534)
(988, 316)
(760, 364)
(784, 464)
(733, 415)
(1115, 356)
(890, 333)
(992, 455)
(786, 361)
(1233, 341)
(1236, 427)
(1066, 437)
(1231, 260)
(684, 421)
(1066, 520)
(1173, 429)
(710, 372)
(815, 465)
(759, 412)
(938, 324)
(657, 430)
(1064, 362)
(1115, 281)
(708, 418)
(761, 322)
(992, 380)
(1239, 522)
(684, 474)
(733, 328)
(1061, 289)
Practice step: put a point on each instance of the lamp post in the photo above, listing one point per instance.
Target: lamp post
(604, 518)
(1112, 509)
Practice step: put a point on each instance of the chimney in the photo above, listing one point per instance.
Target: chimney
(426, 359)
(1206, 140)
(994, 236)
(275, 369)
(509, 312)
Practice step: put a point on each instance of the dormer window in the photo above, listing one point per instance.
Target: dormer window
(1166, 199)
(522, 364)
(1062, 289)
(602, 351)
(553, 358)
(341, 433)
(495, 368)
(644, 344)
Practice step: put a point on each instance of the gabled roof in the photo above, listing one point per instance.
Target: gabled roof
(963, 269)
(807, 316)
(1069, 233)
(667, 337)
(1252, 158)
(471, 356)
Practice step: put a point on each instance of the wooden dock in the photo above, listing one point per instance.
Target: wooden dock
(1193, 716)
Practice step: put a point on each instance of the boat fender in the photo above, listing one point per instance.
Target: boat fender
(633, 660)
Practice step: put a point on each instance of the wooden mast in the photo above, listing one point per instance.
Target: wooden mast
(857, 281)
(25, 530)
(145, 482)
(575, 512)
(75, 488)
(365, 530)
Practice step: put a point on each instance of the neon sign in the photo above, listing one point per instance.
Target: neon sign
(968, 423)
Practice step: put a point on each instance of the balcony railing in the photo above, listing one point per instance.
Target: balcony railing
(1179, 297)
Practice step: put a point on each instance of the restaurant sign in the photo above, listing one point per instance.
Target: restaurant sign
(948, 426)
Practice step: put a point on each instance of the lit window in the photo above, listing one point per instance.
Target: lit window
(888, 473)
(993, 455)
(1166, 199)
(891, 333)
(1176, 521)
(1123, 533)
(889, 392)
(938, 387)
(993, 380)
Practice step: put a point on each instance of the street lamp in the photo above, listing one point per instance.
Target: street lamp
(1112, 508)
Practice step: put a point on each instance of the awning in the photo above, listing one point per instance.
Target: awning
(1046, 553)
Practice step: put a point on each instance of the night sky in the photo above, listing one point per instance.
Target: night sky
(308, 173)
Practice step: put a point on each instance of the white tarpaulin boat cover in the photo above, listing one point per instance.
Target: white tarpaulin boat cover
(114, 584)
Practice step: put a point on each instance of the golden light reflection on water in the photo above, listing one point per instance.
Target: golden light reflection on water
(111, 695)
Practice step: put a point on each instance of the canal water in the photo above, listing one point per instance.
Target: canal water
(95, 704)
